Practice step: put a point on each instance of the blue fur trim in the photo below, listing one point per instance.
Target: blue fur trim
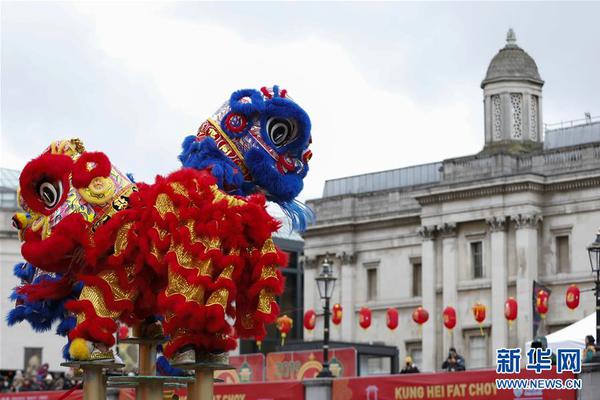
(280, 188)
(205, 154)
(65, 351)
(24, 271)
(164, 368)
(256, 105)
(286, 108)
(66, 325)
(39, 318)
(299, 214)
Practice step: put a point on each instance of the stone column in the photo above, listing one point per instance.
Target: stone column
(499, 276)
(345, 332)
(428, 284)
(449, 279)
(527, 271)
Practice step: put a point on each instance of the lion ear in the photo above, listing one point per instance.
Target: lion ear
(246, 102)
(70, 147)
(89, 166)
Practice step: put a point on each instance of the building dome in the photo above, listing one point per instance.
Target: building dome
(512, 63)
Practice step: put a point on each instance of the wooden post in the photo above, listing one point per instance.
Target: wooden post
(204, 387)
(93, 383)
(147, 359)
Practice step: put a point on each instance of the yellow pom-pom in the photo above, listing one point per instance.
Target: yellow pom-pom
(79, 350)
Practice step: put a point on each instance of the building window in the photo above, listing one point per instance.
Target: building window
(562, 254)
(415, 351)
(416, 279)
(371, 283)
(478, 350)
(477, 259)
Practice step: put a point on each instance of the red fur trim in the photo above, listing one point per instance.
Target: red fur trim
(47, 167)
(47, 290)
(94, 328)
(266, 93)
(55, 253)
(82, 176)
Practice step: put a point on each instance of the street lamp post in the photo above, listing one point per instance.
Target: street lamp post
(594, 253)
(325, 284)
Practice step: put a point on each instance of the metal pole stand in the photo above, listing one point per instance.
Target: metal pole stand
(148, 385)
(204, 368)
(94, 381)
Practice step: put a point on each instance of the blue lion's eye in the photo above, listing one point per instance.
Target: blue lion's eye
(281, 130)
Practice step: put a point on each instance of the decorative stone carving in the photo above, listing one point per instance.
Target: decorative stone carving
(497, 117)
(310, 262)
(526, 220)
(447, 230)
(346, 258)
(497, 224)
(533, 118)
(516, 101)
(427, 232)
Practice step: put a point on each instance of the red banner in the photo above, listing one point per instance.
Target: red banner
(474, 385)
(299, 365)
(76, 395)
(248, 368)
(293, 390)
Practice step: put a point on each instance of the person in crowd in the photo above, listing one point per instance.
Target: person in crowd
(28, 385)
(59, 382)
(454, 362)
(17, 382)
(41, 373)
(5, 385)
(542, 343)
(409, 366)
(47, 383)
(590, 349)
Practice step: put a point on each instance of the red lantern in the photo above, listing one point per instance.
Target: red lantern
(511, 308)
(336, 315)
(284, 325)
(392, 318)
(310, 320)
(541, 303)
(572, 297)
(420, 315)
(123, 332)
(449, 315)
(479, 314)
(364, 319)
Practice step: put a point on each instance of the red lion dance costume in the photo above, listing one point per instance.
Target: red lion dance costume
(193, 248)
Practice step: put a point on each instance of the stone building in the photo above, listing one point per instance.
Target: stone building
(479, 228)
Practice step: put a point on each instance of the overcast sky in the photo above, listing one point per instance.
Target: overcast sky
(386, 85)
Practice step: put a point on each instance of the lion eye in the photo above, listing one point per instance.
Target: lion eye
(50, 193)
(281, 130)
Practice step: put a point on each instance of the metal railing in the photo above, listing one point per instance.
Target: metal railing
(569, 124)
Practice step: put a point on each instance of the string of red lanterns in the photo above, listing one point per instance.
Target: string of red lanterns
(391, 318)
(364, 317)
(511, 309)
(310, 320)
(449, 315)
(572, 297)
(336, 315)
